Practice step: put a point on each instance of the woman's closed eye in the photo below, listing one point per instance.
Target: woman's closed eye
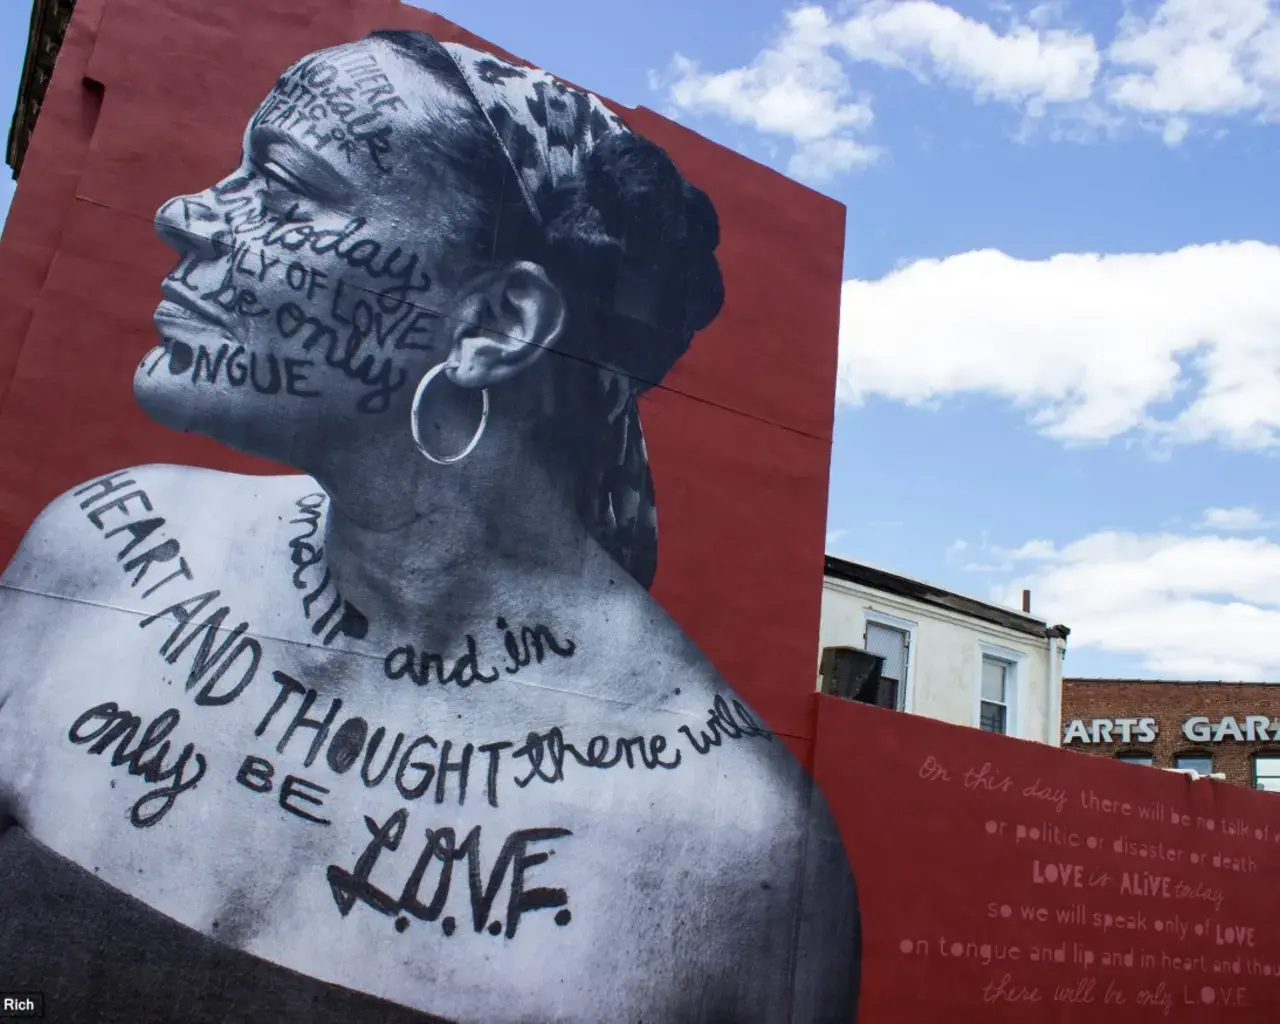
(292, 168)
(279, 175)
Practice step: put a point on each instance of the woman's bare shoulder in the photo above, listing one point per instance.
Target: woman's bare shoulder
(130, 540)
(663, 663)
(86, 538)
(778, 827)
(660, 666)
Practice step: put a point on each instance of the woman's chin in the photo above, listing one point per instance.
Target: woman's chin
(177, 403)
(168, 399)
(232, 418)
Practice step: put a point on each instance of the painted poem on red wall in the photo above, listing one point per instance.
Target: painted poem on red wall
(1133, 895)
(1047, 885)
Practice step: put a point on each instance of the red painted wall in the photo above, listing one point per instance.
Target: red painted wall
(1146, 896)
(970, 851)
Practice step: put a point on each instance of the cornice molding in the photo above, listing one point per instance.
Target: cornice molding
(49, 20)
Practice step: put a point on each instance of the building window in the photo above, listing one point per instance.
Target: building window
(1135, 757)
(993, 713)
(1201, 764)
(1266, 772)
(893, 645)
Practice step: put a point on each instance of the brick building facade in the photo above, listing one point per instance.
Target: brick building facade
(1227, 728)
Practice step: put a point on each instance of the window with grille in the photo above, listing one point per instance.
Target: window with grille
(893, 646)
(993, 714)
(1266, 772)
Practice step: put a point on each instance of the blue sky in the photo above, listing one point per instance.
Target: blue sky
(15, 18)
(1060, 344)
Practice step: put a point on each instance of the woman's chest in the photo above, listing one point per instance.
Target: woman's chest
(373, 832)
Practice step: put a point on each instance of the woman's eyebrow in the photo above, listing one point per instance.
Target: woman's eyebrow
(267, 144)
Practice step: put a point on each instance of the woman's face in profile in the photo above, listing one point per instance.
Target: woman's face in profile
(306, 299)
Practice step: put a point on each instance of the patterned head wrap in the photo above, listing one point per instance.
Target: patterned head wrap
(546, 130)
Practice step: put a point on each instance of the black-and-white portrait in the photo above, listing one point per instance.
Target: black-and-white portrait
(406, 725)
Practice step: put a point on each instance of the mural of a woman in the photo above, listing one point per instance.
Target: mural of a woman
(411, 724)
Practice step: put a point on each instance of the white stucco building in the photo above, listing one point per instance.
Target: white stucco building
(900, 643)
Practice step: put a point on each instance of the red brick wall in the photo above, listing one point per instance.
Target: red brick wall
(1170, 704)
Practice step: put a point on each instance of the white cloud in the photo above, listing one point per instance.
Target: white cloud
(1180, 347)
(1174, 130)
(1166, 67)
(1235, 520)
(794, 88)
(824, 158)
(997, 559)
(1031, 551)
(799, 86)
(1189, 607)
(1024, 65)
(1197, 57)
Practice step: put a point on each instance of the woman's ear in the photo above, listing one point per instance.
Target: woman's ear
(507, 320)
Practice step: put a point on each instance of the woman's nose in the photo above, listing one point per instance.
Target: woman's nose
(191, 225)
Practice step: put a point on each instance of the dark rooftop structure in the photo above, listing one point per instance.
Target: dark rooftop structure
(926, 593)
(49, 20)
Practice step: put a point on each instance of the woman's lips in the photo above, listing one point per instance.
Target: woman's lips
(183, 308)
(175, 321)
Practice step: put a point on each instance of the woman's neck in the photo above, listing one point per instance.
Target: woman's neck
(462, 557)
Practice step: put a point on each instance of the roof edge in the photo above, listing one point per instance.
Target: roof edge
(1107, 681)
(927, 593)
(49, 21)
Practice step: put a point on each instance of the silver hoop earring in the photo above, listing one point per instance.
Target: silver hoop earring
(444, 460)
